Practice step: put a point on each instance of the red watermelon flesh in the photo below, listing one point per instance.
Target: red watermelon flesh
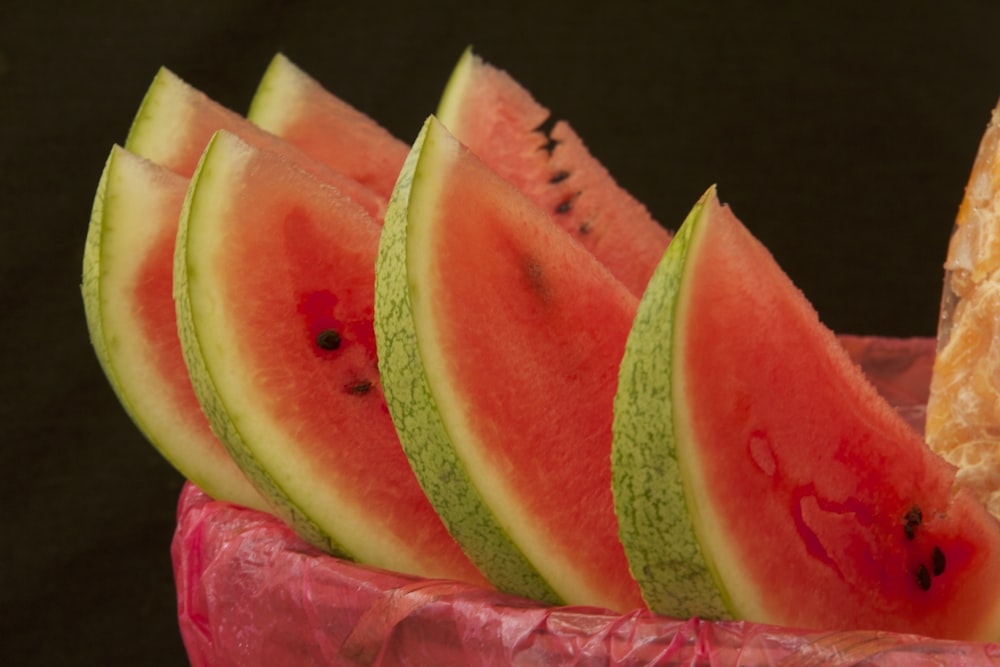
(176, 121)
(294, 106)
(275, 279)
(817, 505)
(127, 289)
(500, 121)
(501, 339)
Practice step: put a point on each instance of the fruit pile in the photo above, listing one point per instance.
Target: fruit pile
(476, 358)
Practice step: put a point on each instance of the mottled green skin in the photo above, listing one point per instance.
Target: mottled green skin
(412, 404)
(654, 518)
(91, 285)
(226, 423)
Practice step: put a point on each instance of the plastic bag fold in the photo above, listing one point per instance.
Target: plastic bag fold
(252, 594)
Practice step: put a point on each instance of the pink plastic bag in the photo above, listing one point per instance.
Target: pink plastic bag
(251, 593)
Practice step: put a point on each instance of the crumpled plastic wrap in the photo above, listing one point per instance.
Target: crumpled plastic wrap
(250, 593)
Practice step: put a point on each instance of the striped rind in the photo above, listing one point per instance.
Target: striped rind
(412, 404)
(654, 515)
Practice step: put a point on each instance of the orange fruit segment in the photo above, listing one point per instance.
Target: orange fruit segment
(963, 408)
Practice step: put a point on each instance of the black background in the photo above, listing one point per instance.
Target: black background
(842, 133)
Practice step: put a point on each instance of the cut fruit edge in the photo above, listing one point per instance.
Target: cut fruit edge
(432, 403)
(129, 310)
(852, 416)
(294, 106)
(498, 119)
(416, 415)
(310, 467)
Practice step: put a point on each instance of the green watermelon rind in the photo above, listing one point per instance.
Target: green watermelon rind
(651, 498)
(268, 108)
(454, 89)
(116, 217)
(91, 286)
(415, 412)
(166, 98)
(223, 422)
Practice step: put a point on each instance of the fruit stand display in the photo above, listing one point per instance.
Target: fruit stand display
(463, 401)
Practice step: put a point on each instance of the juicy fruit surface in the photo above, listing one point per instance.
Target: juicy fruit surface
(487, 110)
(176, 121)
(519, 333)
(963, 409)
(814, 503)
(275, 303)
(294, 106)
(127, 289)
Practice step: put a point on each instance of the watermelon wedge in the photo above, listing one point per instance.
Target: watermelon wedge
(127, 296)
(274, 279)
(175, 122)
(746, 441)
(512, 451)
(500, 121)
(294, 106)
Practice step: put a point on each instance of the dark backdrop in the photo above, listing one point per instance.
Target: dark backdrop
(842, 134)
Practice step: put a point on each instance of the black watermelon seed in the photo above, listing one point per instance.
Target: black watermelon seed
(923, 578)
(328, 339)
(566, 204)
(937, 562)
(584, 227)
(359, 387)
(546, 126)
(908, 529)
(559, 177)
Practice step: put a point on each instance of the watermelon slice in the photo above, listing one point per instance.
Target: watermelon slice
(747, 441)
(294, 106)
(175, 121)
(492, 114)
(274, 281)
(512, 451)
(127, 284)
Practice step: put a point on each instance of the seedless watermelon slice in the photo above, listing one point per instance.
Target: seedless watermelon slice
(500, 339)
(813, 503)
(274, 280)
(127, 295)
(175, 121)
(492, 114)
(294, 106)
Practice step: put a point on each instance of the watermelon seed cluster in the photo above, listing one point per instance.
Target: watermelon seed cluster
(911, 521)
(545, 128)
